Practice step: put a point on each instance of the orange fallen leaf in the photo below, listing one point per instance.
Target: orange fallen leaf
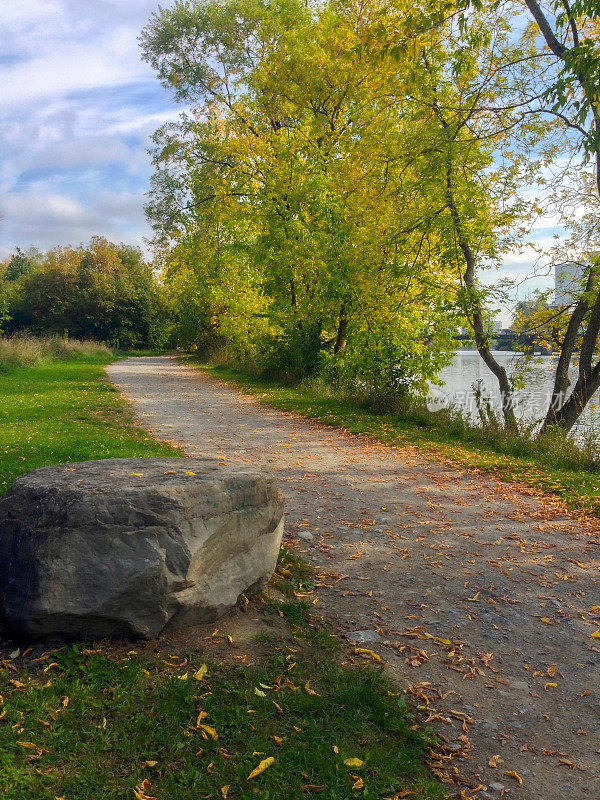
(512, 774)
(140, 791)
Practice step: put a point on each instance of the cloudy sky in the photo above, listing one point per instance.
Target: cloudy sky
(78, 107)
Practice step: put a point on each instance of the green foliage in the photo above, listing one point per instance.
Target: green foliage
(298, 207)
(103, 291)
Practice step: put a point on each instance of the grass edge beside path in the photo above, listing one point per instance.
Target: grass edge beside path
(578, 489)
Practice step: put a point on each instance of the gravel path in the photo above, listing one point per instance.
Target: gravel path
(481, 598)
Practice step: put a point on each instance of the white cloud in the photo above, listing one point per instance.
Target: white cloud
(79, 107)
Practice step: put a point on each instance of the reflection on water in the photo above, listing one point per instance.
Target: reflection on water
(532, 400)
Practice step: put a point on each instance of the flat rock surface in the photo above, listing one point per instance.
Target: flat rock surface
(484, 595)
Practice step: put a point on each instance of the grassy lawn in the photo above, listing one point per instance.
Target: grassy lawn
(110, 720)
(92, 723)
(579, 488)
(65, 411)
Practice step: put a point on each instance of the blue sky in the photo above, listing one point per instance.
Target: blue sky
(78, 108)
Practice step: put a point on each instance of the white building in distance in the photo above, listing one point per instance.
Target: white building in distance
(568, 283)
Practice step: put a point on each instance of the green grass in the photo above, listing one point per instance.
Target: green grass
(551, 469)
(65, 411)
(95, 722)
(125, 711)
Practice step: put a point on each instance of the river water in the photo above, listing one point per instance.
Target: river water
(467, 368)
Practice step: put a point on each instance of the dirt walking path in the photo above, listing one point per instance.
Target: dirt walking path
(482, 598)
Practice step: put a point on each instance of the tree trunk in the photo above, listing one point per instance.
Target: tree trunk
(475, 311)
(561, 412)
(341, 338)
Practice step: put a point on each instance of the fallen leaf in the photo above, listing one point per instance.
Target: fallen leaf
(210, 731)
(512, 774)
(550, 685)
(224, 790)
(370, 653)
(264, 764)
(199, 674)
(493, 762)
(308, 690)
(353, 762)
(140, 791)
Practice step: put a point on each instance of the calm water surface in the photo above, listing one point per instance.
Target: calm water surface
(467, 368)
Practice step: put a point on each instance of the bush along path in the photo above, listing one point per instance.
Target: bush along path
(480, 597)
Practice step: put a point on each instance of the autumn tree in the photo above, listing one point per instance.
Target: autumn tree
(289, 165)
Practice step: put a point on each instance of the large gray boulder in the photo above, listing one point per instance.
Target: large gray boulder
(120, 547)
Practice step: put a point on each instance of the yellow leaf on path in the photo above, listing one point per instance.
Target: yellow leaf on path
(370, 653)
(136, 474)
(512, 774)
(546, 620)
(353, 762)
(264, 764)
(199, 675)
(550, 685)
(596, 635)
(224, 790)
(211, 731)
(493, 762)
(190, 473)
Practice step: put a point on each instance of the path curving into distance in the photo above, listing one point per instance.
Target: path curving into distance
(481, 598)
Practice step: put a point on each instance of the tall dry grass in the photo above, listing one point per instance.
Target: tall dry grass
(24, 350)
